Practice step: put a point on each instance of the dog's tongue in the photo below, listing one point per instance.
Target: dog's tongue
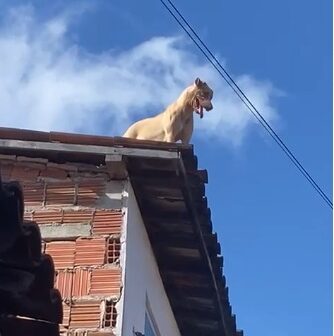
(201, 112)
(198, 108)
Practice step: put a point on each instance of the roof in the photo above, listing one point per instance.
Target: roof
(170, 191)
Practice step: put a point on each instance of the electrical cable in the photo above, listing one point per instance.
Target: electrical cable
(229, 80)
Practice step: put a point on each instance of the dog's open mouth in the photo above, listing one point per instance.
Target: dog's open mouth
(198, 107)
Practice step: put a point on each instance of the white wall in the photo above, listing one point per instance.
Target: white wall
(142, 278)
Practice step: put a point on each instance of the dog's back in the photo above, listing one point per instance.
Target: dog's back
(146, 129)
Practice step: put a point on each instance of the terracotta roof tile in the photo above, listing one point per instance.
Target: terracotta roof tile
(90, 251)
(85, 314)
(64, 283)
(105, 281)
(62, 253)
(81, 282)
(107, 222)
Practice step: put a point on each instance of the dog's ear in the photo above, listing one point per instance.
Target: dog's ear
(198, 82)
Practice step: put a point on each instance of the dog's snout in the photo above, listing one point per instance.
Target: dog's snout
(209, 108)
(206, 103)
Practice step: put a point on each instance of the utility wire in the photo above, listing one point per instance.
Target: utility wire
(229, 80)
(263, 122)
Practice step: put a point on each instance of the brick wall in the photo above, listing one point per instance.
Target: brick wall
(82, 234)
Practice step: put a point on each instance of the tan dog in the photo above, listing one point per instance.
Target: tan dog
(176, 122)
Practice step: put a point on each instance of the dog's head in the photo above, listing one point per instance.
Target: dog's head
(202, 98)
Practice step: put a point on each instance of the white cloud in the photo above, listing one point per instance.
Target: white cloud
(49, 83)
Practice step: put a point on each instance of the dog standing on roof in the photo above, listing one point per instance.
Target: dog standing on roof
(177, 121)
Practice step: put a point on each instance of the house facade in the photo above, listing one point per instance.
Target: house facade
(128, 227)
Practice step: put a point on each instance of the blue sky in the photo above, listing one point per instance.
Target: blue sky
(95, 68)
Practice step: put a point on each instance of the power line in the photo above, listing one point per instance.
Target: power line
(245, 99)
(229, 80)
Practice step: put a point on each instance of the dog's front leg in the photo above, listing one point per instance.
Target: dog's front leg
(169, 137)
(187, 131)
(170, 132)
